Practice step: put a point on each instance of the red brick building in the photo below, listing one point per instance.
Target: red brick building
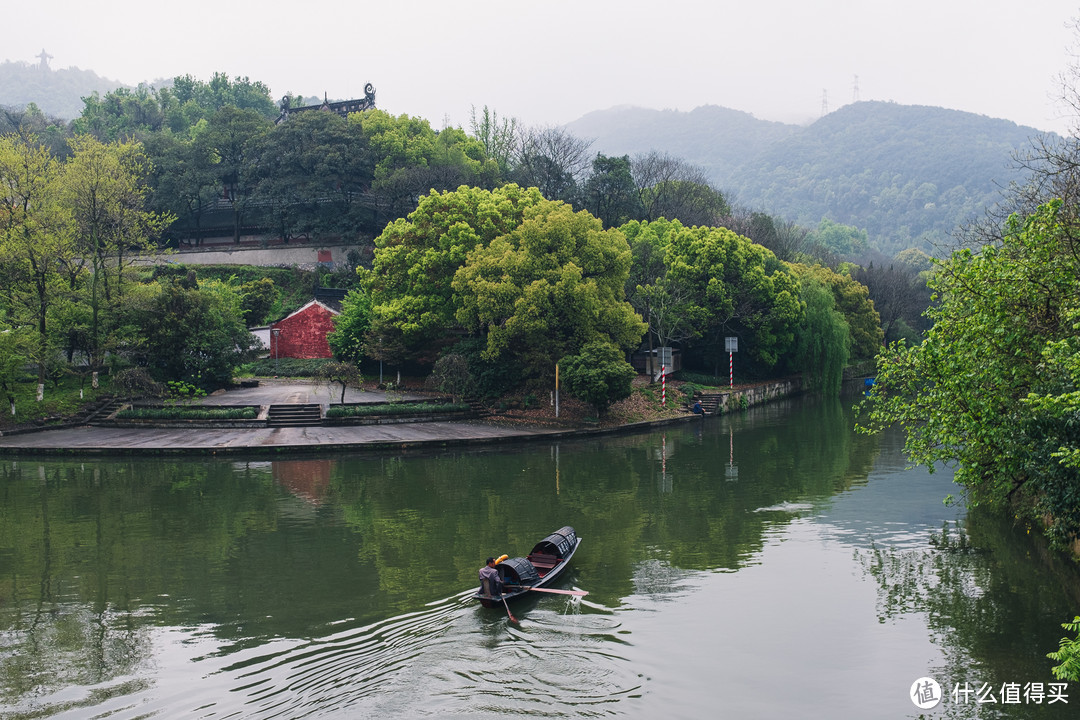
(303, 333)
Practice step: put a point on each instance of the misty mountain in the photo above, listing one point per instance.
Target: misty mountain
(907, 174)
(57, 93)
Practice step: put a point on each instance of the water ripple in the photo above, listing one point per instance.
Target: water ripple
(452, 658)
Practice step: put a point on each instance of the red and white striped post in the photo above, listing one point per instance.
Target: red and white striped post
(731, 344)
(663, 385)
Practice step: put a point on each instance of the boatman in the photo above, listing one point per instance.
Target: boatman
(489, 579)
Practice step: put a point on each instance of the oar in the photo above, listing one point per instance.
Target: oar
(579, 593)
(508, 613)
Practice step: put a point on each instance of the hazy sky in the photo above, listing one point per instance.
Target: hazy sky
(551, 62)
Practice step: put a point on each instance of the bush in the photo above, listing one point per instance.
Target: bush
(287, 367)
(189, 413)
(598, 375)
(344, 411)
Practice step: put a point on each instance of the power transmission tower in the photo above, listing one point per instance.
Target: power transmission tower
(824, 103)
(855, 90)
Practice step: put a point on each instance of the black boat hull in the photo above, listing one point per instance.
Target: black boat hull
(543, 566)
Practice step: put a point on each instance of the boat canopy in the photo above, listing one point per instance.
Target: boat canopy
(518, 571)
(558, 543)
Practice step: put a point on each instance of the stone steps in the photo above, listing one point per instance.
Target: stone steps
(294, 415)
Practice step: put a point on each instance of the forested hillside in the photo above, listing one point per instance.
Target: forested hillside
(909, 175)
(58, 93)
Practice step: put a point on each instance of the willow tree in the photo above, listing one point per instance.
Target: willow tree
(823, 342)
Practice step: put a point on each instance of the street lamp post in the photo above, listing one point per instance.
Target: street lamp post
(277, 347)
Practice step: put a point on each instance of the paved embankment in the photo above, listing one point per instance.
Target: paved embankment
(150, 441)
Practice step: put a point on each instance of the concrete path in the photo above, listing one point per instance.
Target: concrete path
(271, 392)
(150, 441)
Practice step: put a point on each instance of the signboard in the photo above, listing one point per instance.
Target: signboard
(731, 344)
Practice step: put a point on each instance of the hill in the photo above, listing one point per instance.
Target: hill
(57, 93)
(907, 174)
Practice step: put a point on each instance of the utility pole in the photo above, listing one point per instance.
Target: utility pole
(824, 102)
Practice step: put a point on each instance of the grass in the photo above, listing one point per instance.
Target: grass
(61, 400)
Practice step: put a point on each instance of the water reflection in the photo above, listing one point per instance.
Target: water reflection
(338, 587)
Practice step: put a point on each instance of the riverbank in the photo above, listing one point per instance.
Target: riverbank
(642, 411)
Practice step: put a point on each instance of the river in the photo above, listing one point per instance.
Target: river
(768, 564)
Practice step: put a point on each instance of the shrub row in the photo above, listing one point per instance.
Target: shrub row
(341, 411)
(286, 367)
(189, 413)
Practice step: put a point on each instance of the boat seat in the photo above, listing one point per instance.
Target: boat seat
(544, 561)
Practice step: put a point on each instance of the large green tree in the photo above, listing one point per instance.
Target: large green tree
(309, 174)
(993, 386)
(413, 312)
(547, 288)
(192, 331)
(736, 288)
(230, 135)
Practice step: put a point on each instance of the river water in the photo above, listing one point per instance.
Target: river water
(770, 564)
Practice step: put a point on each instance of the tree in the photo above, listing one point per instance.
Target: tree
(451, 375)
(12, 362)
(785, 239)
(852, 300)
(411, 159)
(39, 256)
(900, 297)
(549, 286)
(552, 160)
(103, 187)
(193, 332)
(736, 288)
(598, 375)
(992, 387)
(309, 174)
(497, 134)
(837, 238)
(669, 187)
(413, 312)
(256, 299)
(347, 338)
(182, 181)
(823, 339)
(345, 374)
(610, 193)
(666, 307)
(229, 135)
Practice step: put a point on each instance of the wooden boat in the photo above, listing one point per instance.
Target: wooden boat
(539, 568)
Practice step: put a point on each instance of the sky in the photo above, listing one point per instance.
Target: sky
(550, 63)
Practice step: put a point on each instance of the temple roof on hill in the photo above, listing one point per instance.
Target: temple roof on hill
(342, 108)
